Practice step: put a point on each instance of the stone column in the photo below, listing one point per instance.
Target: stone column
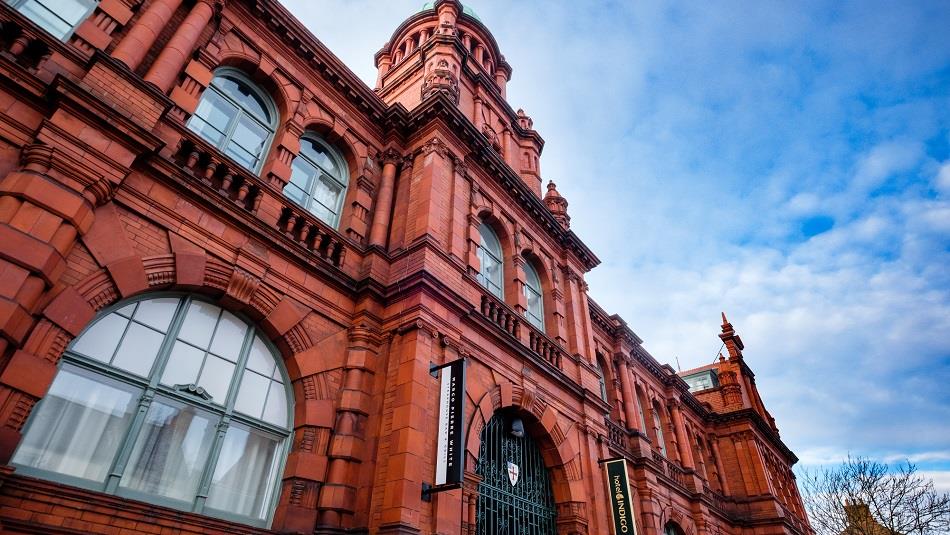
(682, 441)
(629, 409)
(175, 54)
(384, 202)
(346, 450)
(133, 47)
(720, 472)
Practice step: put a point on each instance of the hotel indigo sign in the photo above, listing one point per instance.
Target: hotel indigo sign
(621, 501)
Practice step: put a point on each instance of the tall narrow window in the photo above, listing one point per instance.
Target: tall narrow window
(236, 117)
(169, 400)
(59, 17)
(603, 382)
(318, 179)
(534, 309)
(491, 275)
(658, 428)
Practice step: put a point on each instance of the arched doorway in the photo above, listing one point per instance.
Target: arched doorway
(514, 496)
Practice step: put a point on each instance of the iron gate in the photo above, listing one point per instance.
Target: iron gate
(522, 507)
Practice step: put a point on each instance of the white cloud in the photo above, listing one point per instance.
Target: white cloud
(941, 479)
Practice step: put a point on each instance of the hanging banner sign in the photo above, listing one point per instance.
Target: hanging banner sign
(451, 441)
(621, 500)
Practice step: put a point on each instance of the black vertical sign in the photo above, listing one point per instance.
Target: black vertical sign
(451, 440)
(621, 501)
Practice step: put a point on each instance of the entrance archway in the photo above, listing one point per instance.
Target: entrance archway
(514, 495)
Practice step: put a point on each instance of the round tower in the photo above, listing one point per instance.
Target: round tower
(445, 49)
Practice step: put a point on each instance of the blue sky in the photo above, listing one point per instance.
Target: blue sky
(787, 162)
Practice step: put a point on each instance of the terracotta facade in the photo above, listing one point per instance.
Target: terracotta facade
(107, 194)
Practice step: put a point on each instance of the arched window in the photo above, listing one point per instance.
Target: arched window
(59, 17)
(491, 275)
(237, 117)
(672, 529)
(169, 400)
(318, 179)
(658, 428)
(534, 310)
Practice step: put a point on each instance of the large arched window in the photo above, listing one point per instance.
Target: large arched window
(59, 17)
(534, 309)
(169, 400)
(318, 179)
(491, 275)
(237, 117)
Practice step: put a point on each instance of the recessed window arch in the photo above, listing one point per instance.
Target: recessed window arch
(603, 381)
(491, 274)
(169, 400)
(534, 306)
(658, 428)
(237, 117)
(58, 17)
(319, 178)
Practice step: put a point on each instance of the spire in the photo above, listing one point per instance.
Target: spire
(557, 205)
(732, 341)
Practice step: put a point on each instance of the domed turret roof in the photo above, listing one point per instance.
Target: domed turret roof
(465, 9)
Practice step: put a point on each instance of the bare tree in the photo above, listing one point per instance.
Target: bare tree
(865, 497)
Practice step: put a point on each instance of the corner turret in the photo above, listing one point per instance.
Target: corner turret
(444, 49)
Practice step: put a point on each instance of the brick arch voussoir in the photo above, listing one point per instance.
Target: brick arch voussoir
(558, 454)
(278, 315)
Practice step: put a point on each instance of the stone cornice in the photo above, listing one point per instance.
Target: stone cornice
(760, 425)
(307, 46)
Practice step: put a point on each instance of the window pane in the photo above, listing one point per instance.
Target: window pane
(249, 136)
(216, 111)
(199, 323)
(243, 480)
(275, 411)
(241, 156)
(157, 312)
(100, 341)
(183, 365)
(315, 152)
(260, 359)
(78, 427)
(295, 194)
(46, 19)
(138, 349)
(253, 393)
(327, 192)
(170, 452)
(229, 336)
(302, 174)
(216, 378)
(244, 96)
(126, 311)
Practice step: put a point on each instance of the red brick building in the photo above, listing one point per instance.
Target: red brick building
(227, 266)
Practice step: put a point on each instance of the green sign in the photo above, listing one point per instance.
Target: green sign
(621, 501)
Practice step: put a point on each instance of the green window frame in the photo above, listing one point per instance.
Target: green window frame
(188, 403)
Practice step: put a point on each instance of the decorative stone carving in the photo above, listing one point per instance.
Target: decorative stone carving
(441, 79)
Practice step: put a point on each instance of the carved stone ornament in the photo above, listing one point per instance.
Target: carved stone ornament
(441, 79)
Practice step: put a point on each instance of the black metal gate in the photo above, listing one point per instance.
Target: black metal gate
(522, 507)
